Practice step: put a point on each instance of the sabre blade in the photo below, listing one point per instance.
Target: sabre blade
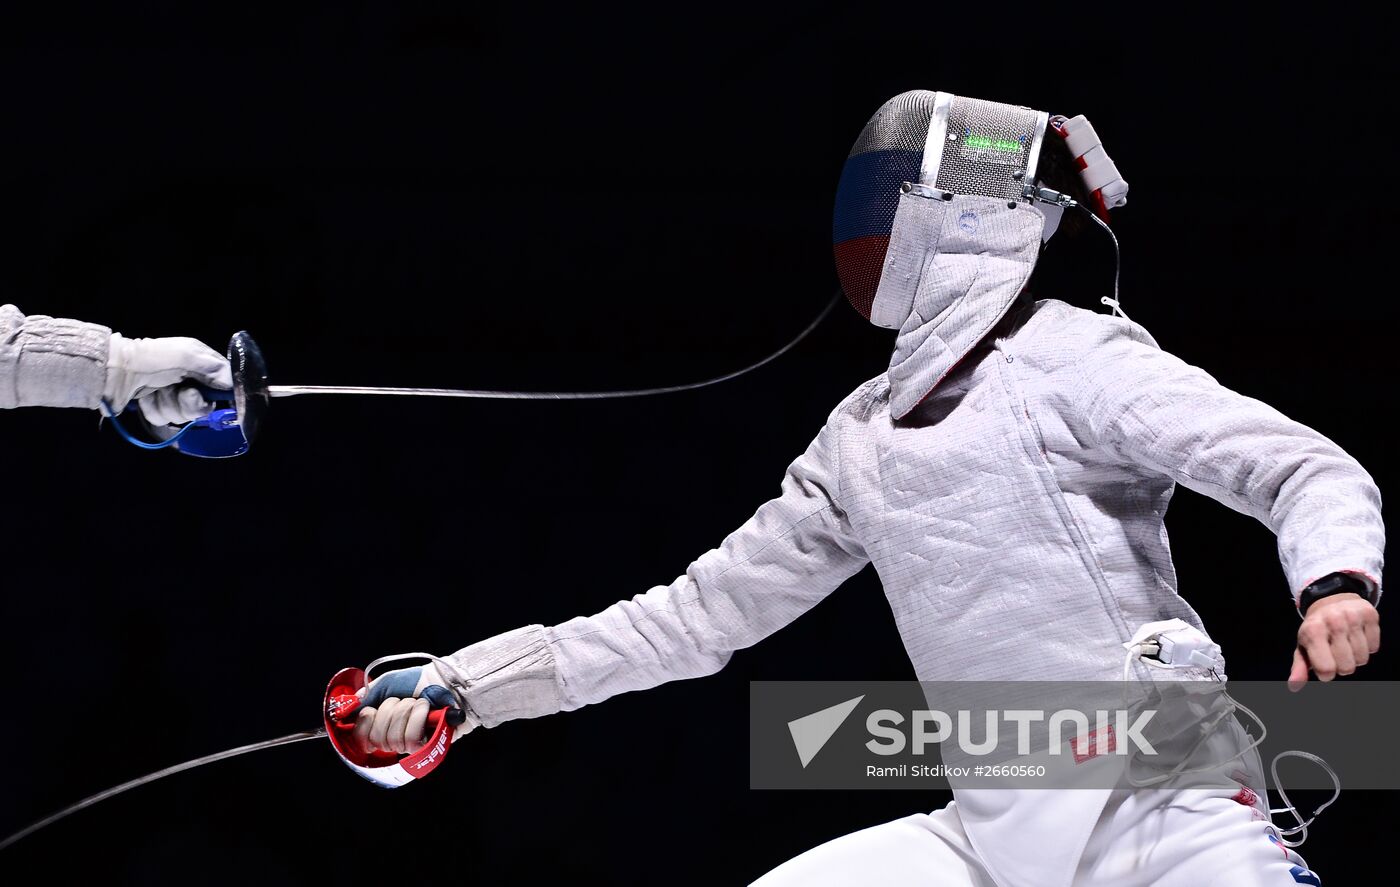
(160, 774)
(294, 390)
(297, 390)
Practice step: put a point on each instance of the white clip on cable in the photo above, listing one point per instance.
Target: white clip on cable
(1172, 643)
(1117, 308)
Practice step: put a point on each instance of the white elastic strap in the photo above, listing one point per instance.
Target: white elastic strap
(1114, 194)
(1080, 137)
(1093, 155)
(1100, 173)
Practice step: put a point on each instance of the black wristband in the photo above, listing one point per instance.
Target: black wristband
(1333, 583)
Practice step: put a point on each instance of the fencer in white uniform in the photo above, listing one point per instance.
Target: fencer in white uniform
(1007, 477)
(58, 362)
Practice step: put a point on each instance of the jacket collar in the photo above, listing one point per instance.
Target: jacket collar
(953, 269)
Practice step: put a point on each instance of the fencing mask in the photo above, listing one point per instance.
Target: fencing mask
(940, 217)
(941, 146)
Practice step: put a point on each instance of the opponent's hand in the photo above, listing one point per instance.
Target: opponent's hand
(1338, 636)
(396, 706)
(175, 405)
(158, 373)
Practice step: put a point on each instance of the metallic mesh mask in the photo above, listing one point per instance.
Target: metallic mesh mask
(935, 141)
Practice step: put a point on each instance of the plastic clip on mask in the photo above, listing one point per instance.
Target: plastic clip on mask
(939, 221)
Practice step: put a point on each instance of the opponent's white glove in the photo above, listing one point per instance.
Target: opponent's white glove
(395, 714)
(151, 371)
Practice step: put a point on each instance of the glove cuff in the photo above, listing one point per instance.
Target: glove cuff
(116, 386)
(510, 676)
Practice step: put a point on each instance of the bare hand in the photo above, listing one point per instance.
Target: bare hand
(1338, 636)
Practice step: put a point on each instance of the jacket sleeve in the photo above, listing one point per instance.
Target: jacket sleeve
(794, 551)
(51, 362)
(1160, 412)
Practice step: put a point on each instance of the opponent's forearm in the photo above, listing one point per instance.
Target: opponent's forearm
(51, 362)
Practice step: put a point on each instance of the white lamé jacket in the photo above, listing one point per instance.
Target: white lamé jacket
(1007, 477)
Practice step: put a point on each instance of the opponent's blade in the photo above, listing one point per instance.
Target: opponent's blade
(294, 390)
(297, 390)
(160, 774)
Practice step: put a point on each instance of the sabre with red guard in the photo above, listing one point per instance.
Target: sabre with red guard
(341, 704)
(386, 769)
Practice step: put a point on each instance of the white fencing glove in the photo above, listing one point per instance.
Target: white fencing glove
(152, 372)
(395, 710)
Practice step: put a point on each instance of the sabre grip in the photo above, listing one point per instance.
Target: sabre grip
(215, 395)
(344, 708)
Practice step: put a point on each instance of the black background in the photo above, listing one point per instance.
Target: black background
(455, 196)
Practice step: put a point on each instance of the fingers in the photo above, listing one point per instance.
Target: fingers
(414, 732)
(1356, 643)
(396, 726)
(1340, 646)
(1318, 649)
(1298, 675)
(174, 405)
(1372, 631)
(204, 364)
(397, 737)
(379, 733)
(364, 722)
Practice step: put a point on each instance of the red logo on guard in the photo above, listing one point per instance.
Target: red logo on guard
(1098, 742)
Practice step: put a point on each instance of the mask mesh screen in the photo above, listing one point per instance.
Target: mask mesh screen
(986, 142)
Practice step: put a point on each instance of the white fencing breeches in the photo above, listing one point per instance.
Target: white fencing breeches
(1187, 838)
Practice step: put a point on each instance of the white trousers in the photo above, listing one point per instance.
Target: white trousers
(1162, 838)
